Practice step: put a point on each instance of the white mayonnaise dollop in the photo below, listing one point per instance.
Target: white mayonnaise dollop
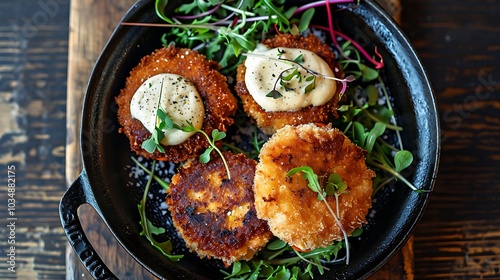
(179, 98)
(262, 76)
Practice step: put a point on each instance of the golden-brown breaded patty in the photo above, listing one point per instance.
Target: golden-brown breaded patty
(220, 104)
(215, 216)
(269, 122)
(293, 211)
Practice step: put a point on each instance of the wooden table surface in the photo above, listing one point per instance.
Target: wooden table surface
(458, 41)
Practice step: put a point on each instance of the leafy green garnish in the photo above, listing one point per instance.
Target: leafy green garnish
(165, 122)
(336, 186)
(223, 30)
(366, 122)
(148, 229)
(216, 136)
(267, 266)
(161, 182)
(293, 72)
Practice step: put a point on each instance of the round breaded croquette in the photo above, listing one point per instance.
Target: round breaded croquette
(270, 121)
(293, 211)
(216, 216)
(220, 104)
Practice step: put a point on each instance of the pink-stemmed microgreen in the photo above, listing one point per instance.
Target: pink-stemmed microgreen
(333, 33)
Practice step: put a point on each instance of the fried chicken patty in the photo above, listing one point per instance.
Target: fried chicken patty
(293, 211)
(216, 216)
(220, 104)
(269, 122)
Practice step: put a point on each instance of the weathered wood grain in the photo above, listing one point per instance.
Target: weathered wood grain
(458, 237)
(84, 47)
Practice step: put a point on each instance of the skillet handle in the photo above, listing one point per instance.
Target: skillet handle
(76, 195)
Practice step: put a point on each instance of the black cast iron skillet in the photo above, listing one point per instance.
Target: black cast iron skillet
(105, 184)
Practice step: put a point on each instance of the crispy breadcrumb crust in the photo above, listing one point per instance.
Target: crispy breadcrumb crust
(269, 122)
(215, 216)
(293, 211)
(220, 104)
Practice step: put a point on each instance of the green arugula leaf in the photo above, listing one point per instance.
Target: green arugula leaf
(196, 5)
(160, 6)
(280, 18)
(149, 226)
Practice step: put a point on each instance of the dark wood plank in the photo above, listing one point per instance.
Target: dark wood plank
(458, 238)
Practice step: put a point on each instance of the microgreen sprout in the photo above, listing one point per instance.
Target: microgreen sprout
(165, 122)
(268, 265)
(334, 184)
(223, 30)
(216, 135)
(148, 229)
(366, 121)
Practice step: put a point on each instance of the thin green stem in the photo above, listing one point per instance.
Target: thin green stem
(212, 143)
(162, 183)
(144, 198)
